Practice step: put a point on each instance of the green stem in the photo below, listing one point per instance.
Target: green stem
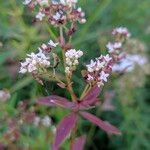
(68, 79)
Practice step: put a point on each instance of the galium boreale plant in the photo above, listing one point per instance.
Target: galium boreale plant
(64, 15)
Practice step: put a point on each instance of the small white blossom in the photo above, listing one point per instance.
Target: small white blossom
(51, 43)
(67, 70)
(44, 46)
(107, 58)
(57, 16)
(100, 65)
(122, 31)
(43, 2)
(91, 66)
(46, 121)
(103, 76)
(69, 2)
(26, 2)
(40, 16)
(113, 46)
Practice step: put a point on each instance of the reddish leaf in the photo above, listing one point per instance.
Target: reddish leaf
(92, 94)
(90, 99)
(78, 143)
(85, 104)
(102, 124)
(64, 128)
(55, 100)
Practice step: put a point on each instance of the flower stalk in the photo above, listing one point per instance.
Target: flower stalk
(64, 15)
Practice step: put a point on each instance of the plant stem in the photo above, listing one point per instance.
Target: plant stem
(68, 79)
(84, 91)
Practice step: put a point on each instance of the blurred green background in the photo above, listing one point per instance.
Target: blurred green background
(18, 36)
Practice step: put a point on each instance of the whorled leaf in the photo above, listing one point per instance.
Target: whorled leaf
(86, 104)
(55, 100)
(92, 94)
(107, 127)
(90, 99)
(78, 143)
(63, 129)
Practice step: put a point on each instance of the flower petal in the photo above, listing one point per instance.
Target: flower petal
(78, 143)
(107, 127)
(63, 129)
(55, 100)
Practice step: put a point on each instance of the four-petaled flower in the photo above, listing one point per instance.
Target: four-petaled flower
(40, 16)
(103, 76)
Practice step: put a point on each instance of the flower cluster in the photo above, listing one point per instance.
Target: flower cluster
(114, 47)
(128, 63)
(72, 57)
(121, 33)
(57, 13)
(98, 70)
(47, 48)
(34, 62)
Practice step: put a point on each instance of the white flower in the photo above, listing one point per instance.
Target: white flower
(121, 30)
(44, 46)
(107, 58)
(43, 2)
(57, 16)
(68, 2)
(91, 66)
(103, 76)
(23, 70)
(51, 43)
(46, 121)
(26, 2)
(99, 65)
(113, 46)
(40, 16)
(67, 70)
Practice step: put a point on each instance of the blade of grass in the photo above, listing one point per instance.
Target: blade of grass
(21, 83)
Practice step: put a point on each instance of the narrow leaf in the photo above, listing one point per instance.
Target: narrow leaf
(92, 94)
(78, 143)
(64, 128)
(86, 104)
(55, 100)
(107, 127)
